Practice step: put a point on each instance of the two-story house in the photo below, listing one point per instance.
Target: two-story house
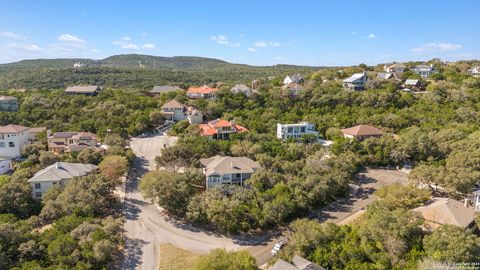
(174, 110)
(13, 138)
(220, 170)
(220, 129)
(202, 92)
(64, 142)
(394, 68)
(292, 90)
(8, 104)
(355, 82)
(424, 70)
(59, 173)
(295, 131)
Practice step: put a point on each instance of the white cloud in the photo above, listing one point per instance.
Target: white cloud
(265, 44)
(278, 58)
(223, 40)
(436, 48)
(126, 38)
(372, 36)
(94, 51)
(252, 49)
(148, 46)
(129, 46)
(24, 47)
(70, 38)
(12, 35)
(143, 34)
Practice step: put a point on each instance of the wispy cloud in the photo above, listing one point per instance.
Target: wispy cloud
(252, 49)
(436, 48)
(125, 44)
(70, 38)
(223, 40)
(372, 36)
(148, 46)
(24, 47)
(265, 44)
(278, 58)
(12, 35)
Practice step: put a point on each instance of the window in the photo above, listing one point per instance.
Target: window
(38, 185)
(11, 144)
(38, 194)
(2, 144)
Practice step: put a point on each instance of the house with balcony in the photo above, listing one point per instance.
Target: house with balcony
(220, 129)
(65, 142)
(8, 104)
(225, 170)
(355, 82)
(60, 174)
(202, 92)
(174, 110)
(295, 131)
(424, 71)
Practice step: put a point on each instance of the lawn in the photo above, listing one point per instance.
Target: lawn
(174, 258)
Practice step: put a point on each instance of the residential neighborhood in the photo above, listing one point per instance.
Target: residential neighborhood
(239, 135)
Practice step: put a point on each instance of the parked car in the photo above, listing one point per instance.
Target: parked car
(278, 246)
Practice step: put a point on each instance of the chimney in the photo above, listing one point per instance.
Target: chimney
(57, 165)
(466, 202)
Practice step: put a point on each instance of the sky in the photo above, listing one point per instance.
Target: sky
(256, 32)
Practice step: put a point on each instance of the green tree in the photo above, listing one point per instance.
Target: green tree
(220, 259)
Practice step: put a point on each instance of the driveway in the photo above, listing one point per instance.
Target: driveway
(145, 228)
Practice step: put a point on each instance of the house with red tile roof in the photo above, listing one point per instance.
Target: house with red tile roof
(220, 129)
(362, 132)
(202, 92)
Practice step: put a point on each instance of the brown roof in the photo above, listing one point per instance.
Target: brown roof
(37, 129)
(447, 211)
(173, 104)
(397, 65)
(362, 130)
(12, 129)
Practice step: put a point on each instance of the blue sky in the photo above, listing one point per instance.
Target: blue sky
(253, 32)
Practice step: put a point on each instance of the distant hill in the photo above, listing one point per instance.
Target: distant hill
(134, 71)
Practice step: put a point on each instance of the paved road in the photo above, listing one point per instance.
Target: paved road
(370, 180)
(146, 228)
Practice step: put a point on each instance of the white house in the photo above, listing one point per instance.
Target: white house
(297, 78)
(220, 170)
(295, 131)
(475, 72)
(13, 138)
(59, 173)
(424, 70)
(394, 68)
(356, 81)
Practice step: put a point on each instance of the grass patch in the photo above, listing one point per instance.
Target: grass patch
(174, 258)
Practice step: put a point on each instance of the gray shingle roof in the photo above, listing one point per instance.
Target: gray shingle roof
(355, 77)
(225, 165)
(62, 170)
(411, 82)
(164, 89)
